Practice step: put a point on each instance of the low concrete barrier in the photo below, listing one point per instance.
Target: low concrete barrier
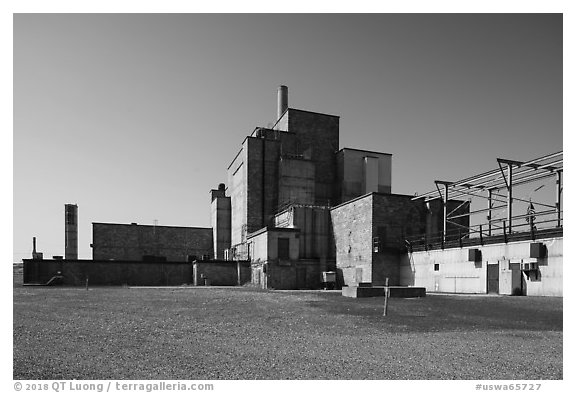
(374, 291)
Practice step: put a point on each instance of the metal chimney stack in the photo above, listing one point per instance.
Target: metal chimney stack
(282, 100)
(71, 231)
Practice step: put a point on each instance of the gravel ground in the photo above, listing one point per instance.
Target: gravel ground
(242, 333)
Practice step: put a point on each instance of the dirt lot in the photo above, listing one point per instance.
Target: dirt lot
(241, 333)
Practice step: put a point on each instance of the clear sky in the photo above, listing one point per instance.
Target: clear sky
(136, 117)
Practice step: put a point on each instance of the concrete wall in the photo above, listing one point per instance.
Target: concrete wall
(264, 244)
(300, 274)
(456, 274)
(269, 271)
(75, 272)
(316, 239)
(318, 139)
(253, 179)
(352, 226)
(369, 232)
(296, 181)
(352, 171)
(237, 190)
(131, 242)
(386, 264)
(227, 273)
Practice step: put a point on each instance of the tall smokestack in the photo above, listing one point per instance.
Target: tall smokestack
(71, 231)
(282, 100)
(33, 245)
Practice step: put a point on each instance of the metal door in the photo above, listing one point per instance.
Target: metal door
(492, 276)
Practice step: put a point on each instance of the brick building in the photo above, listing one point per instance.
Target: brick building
(134, 242)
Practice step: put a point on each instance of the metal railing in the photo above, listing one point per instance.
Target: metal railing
(523, 227)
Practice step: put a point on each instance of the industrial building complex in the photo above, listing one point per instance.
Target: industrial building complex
(300, 211)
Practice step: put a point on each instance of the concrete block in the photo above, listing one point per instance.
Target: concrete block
(356, 292)
(395, 291)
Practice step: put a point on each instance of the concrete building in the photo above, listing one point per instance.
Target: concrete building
(370, 233)
(499, 268)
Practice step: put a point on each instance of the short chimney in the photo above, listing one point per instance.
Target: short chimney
(282, 100)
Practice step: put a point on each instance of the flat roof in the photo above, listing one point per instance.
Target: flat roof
(111, 261)
(364, 151)
(315, 113)
(271, 229)
(255, 137)
(135, 224)
(300, 205)
(300, 110)
(371, 194)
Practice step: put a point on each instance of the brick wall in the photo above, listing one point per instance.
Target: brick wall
(132, 242)
(296, 181)
(395, 216)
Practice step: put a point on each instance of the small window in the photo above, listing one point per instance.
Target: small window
(436, 267)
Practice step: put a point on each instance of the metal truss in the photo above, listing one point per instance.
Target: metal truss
(487, 185)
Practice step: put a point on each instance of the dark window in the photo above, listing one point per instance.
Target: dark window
(436, 267)
(283, 248)
(375, 244)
